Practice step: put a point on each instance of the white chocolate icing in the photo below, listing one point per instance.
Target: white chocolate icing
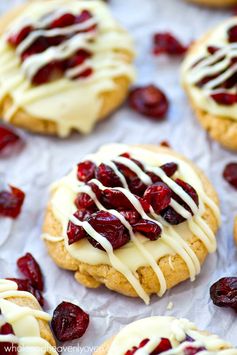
(24, 321)
(211, 65)
(71, 104)
(174, 239)
(176, 330)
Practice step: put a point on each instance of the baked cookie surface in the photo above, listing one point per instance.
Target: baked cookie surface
(209, 77)
(215, 3)
(157, 335)
(29, 329)
(65, 64)
(127, 229)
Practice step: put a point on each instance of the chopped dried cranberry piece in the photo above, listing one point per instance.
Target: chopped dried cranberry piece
(163, 346)
(131, 216)
(85, 74)
(63, 21)
(78, 58)
(170, 168)
(224, 98)
(26, 285)
(189, 190)
(84, 16)
(86, 171)
(191, 350)
(224, 292)
(166, 43)
(11, 202)
(230, 174)
(135, 348)
(7, 138)
(69, 321)
(31, 269)
(107, 176)
(116, 199)
(74, 232)
(212, 49)
(149, 101)
(148, 228)
(171, 216)
(19, 37)
(110, 227)
(39, 46)
(158, 196)
(84, 201)
(165, 144)
(6, 347)
(232, 34)
(50, 72)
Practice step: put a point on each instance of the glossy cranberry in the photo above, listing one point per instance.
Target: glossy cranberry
(78, 59)
(212, 49)
(110, 227)
(84, 201)
(170, 168)
(232, 34)
(230, 82)
(31, 270)
(135, 348)
(224, 292)
(26, 285)
(39, 46)
(63, 21)
(166, 43)
(191, 350)
(230, 174)
(137, 187)
(148, 228)
(6, 347)
(85, 16)
(149, 101)
(206, 80)
(8, 138)
(49, 73)
(224, 98)
(158, 196)
(131, 216)
(19, 37)
(107, 176)
(171, 216)
(189, 190)
(74, 232)
(116, 199)
(69, 322)
(85, 74)
(164, 345)
(86, 171)
(11, 202)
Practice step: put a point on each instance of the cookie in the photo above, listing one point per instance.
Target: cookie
(127, 217)
(215, 3)
(65, 65)
(23, 323)
(164, 334)
(209, 78)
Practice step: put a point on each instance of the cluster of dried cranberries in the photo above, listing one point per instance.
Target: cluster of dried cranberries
(11, 202)
(56, 68)
(156, 197)
(6, 347)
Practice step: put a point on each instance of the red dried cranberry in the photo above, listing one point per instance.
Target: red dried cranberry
(26, 285)
(166, 43)
(11, 202)
(131, 216)
(149, 101)
(165, 144)
(224, 98)
(63, 21)
(191, 350)
(74, 232)
(31, 269)
(69, 321)
(116, 199)
(84, 16)
(19, 37)
(163, 346)
(232, 34)
(6, 347)
(158, 196)
(135, 348)
(86, 171)
(78, 58)
(145, 205)
(137, 187)
(148, 228)
(39, 46)
(85, 74)
(7, 138)
(107, 176)
(212, 49)
(48, 73)
(155, 178)
(84, 201)
(170, 168)
(230, 174)
(110, 227)
(224, 292)
(189, 190)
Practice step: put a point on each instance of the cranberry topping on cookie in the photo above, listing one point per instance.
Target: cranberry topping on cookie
(5, 346)
(162, 346)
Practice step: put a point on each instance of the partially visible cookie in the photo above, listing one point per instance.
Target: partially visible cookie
(23, 323)
(209, 77)
(215, 3)
(159, 335)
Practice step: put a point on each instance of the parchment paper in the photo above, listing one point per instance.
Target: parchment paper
(44, 160)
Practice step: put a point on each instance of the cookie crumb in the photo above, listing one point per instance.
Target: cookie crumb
(170, 306)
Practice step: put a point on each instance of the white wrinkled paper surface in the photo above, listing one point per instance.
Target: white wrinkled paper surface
(43, 160)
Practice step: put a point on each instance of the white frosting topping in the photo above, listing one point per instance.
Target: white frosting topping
(200, 64)
(155, 328)
(24, 321)
(71, 104)
(174, 239)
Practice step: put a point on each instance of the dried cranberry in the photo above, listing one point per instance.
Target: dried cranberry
(166, 43)
(31, 269)
(158, 196)
(7, 138)
(230, 174)
(63, 21)
(148, 228)
(224, 292)
(11, 202)
(212, 49)
(170, 168)
(171, 216)
(136, 186)
(39, 46)
(191, 350)
(149, 101)
(78, 58)
(48, 73)
(69, 321)
(107, 176)
(232, 34)
(116, 199)
(135, 348)
(84, 16)
(224, 98)
(86, 171)
(6, 347)
(85, 74)
(131, 216)
(84, 201)
(163, 346)
(19, 37)
(26, 285)
(110, 227)
(74, 232)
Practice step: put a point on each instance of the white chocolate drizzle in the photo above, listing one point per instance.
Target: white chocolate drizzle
(173, 241)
